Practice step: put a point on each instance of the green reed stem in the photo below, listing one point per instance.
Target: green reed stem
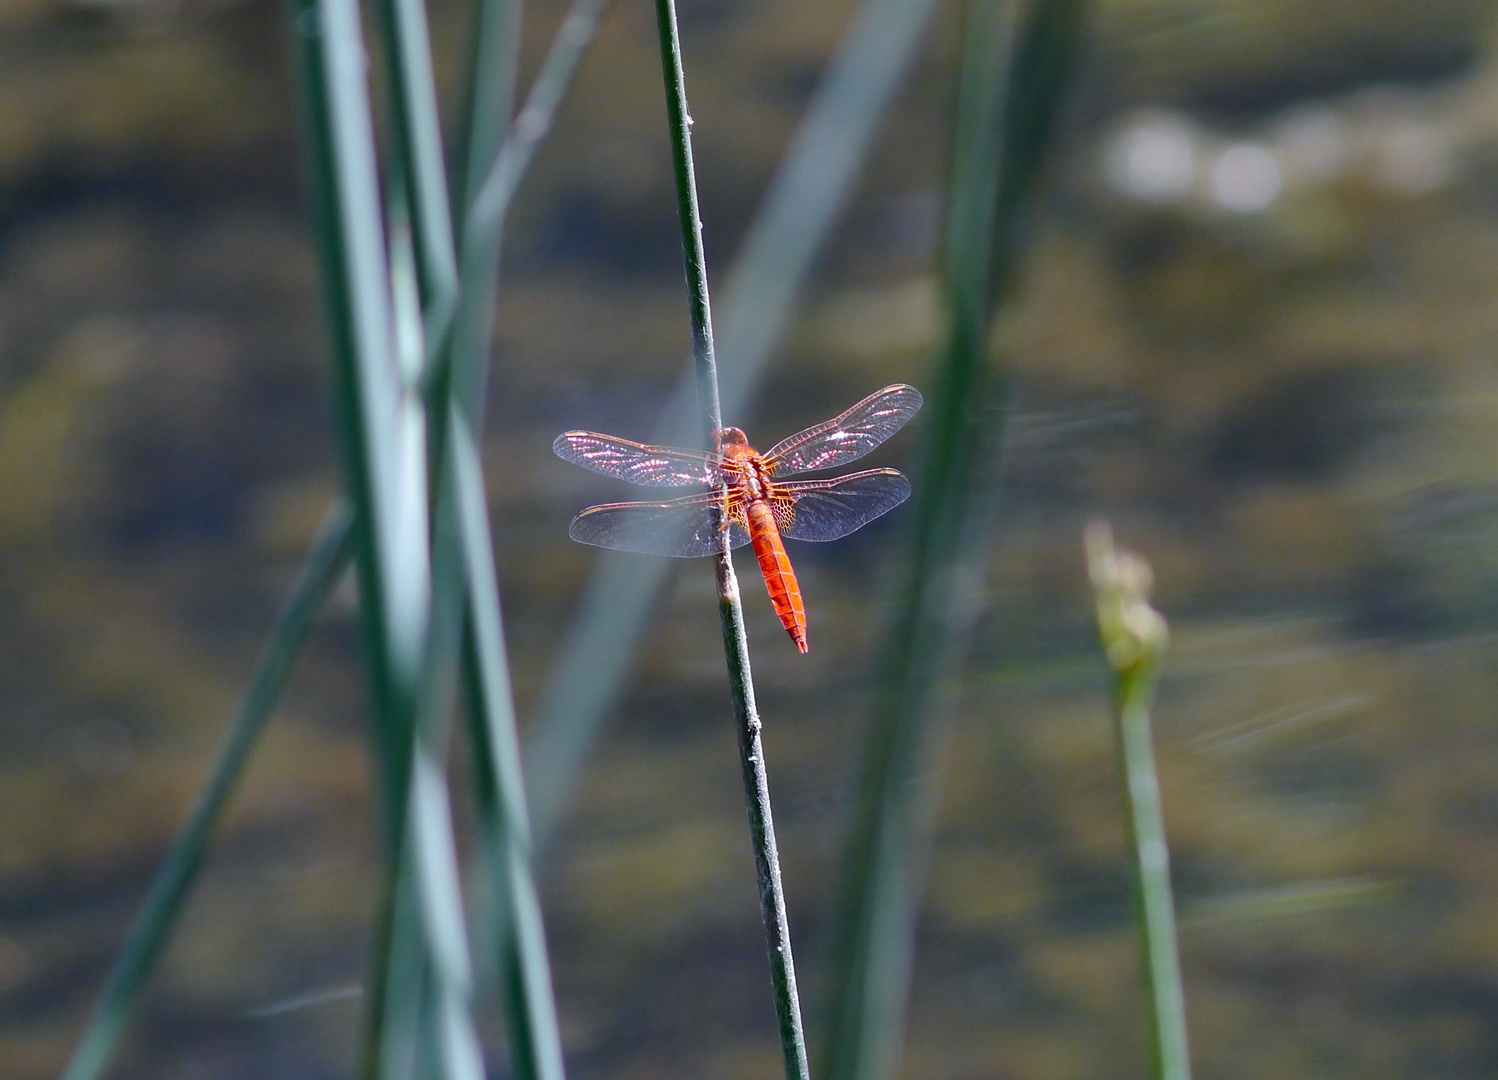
(1014, 70)
(377, 415)
(430, 842)
(396, 999)
(1133, 694)
(692, 252)
(462, 375)
(421, 983)
(1134, 637)
(179, 872)
(731, 612)
(800, 206)
(489, 98)
(504, 822)
(385, 453)
(491, 201)
(515, 919)
(418, 142)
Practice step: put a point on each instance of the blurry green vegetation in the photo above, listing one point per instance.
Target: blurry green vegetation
(1018, 66)
(1325, 734)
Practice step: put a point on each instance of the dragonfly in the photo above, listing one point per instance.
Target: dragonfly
(749, 501)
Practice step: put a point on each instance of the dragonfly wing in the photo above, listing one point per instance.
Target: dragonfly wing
(847, 437)
(681, 528)
(637, 463)
(831, 509)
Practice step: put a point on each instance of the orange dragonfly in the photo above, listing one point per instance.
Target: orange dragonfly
(751, 503)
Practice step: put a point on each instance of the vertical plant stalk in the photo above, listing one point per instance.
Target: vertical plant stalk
(421, 982)
(418, 150)
(385, 453)
(498, 155)
(396, 998)
(730, 611)
(380, 423)
(515, 918)
(179, 871)
(1134, 637)
(1016, 62)
(463, 375)
(465, 586)
(488, 99)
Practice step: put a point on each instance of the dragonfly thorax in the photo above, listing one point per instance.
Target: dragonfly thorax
(742, 465)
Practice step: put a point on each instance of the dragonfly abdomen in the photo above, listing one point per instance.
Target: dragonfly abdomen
(775, 565)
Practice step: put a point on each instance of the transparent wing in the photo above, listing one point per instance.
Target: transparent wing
(636, 463)
(831, 509)
(847, 437)
(681, 528)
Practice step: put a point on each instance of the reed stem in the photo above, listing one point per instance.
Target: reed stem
(730, 610)
(1134, 637)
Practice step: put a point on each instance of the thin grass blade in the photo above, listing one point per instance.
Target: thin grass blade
(1014, 69)
(396, 1040)
(417, 131)
(536, 1047)
(417, 982)
(430, 840)
(802, 204)
(488, 100)
(463, 374)
(491, 201)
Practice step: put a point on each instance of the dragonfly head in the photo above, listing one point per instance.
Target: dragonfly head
(731, 436)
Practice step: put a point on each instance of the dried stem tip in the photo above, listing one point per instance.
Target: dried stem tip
(1133, 633)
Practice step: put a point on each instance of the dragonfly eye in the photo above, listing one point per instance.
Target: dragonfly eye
(732, 436)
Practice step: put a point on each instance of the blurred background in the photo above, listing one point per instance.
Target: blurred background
(1258, 329)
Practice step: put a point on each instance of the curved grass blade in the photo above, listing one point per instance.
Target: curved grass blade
(800, 207)
(1014, 71)
(169, 890)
